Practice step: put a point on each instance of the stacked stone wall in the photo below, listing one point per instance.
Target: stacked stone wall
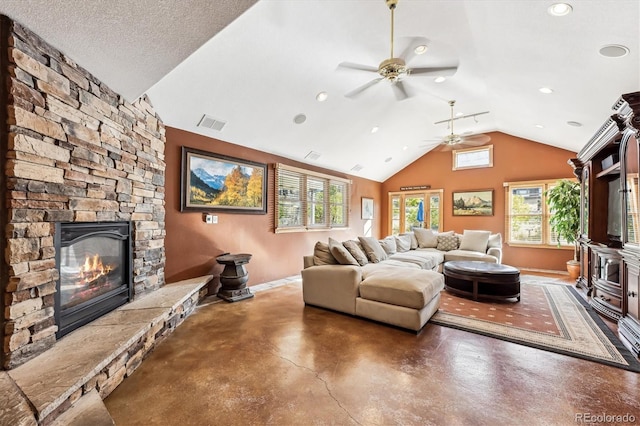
(75, 152)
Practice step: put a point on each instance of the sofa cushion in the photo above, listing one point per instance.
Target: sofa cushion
(322, 254)
(414, 241)
(389, 245)
(469, 255)
(341, 254)
(356, 251)
(403, 243)
(475, 240)
(373, 249)
(447, 242)
(414, 288)
(426, 238)
(495, 241)
(424, 259)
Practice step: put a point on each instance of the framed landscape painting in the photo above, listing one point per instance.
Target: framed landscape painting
(473, 203)
(213, 182)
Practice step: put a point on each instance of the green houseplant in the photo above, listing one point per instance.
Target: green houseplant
(564, 202)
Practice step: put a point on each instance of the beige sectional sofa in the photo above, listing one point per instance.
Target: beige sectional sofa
(395, 280)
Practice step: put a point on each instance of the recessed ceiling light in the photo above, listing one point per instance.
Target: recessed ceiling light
(559, 9)
(545, 90)
(322, 96)
(386, 160)
(420, 49)
(574, 123)
(459, 114)
(374, 129)
(439, 79)
(539, 126)
(614, 51)
(404, 148)
(300, 118)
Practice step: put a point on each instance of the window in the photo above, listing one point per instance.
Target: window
(409, 209)
(473, 158)
(307, 200)
(527, 214)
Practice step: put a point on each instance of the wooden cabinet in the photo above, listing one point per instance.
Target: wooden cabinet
(608, 168)
(606, 295)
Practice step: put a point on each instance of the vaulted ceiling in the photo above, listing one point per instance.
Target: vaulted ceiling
(256, 66)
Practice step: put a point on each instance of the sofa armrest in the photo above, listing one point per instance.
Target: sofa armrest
(496, 252)
(332, 286)
(308, 261)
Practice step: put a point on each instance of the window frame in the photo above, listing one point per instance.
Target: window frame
(401, 196)
(546, 233)
(456, 153)
(305, 222)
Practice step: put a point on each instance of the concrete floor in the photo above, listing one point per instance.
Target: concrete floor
(271, 360)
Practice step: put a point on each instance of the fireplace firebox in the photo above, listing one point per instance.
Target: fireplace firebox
(94, 264)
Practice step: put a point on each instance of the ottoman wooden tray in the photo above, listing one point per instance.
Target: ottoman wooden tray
(482, 279)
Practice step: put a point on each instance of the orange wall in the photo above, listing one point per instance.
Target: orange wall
(192, 245)
(514, 159)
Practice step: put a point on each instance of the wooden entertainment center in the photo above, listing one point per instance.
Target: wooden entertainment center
(607, 168)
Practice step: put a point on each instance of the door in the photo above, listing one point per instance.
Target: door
(411, 209)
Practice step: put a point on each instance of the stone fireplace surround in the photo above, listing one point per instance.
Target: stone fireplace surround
(72, 150)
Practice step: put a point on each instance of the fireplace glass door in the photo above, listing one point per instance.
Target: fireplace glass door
(94, 265)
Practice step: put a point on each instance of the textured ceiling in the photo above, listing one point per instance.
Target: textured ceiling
(267, 66)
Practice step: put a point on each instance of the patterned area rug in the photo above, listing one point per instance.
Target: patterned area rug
(550, 316)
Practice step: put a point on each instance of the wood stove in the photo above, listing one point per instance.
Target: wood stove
(94, 262)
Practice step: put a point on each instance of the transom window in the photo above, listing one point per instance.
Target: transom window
(473, 158)
(308, 200)
(527, 214)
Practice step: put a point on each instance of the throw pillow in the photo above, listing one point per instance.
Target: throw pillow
(373, 249)
(447, 242)
(389, 245)
(322, 254)
(414, 241)
(426, 238)
(341, 254)
(475, 240)
(403, 243)
(495, 241)
(356, 251)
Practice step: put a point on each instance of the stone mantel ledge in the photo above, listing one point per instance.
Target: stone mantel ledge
(52, 378)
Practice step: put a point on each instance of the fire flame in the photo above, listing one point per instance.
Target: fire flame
(93, 269)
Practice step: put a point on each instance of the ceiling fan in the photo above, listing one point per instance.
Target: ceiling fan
(394, 69)
(453, 140)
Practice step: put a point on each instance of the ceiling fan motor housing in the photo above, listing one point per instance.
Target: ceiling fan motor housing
(392, 69)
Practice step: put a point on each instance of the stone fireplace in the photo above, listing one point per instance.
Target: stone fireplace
(73, 152)
(93, 260)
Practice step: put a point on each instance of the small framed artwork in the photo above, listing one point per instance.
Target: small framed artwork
(367, 208)
(473, 203)
(214, 182)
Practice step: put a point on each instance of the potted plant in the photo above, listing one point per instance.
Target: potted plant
(564, 201)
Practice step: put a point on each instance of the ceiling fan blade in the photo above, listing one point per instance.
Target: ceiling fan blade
(476, 139)
(359, 90)
(434, 71)
(358, 67)
(400, 91)
(446, 147)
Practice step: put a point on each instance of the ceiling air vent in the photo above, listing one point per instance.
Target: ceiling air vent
(357, 168)
(312, 155)
(211, 123)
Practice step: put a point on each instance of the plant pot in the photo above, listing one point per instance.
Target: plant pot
(573, 267)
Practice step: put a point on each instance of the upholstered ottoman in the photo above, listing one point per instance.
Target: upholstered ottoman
(406, 298)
